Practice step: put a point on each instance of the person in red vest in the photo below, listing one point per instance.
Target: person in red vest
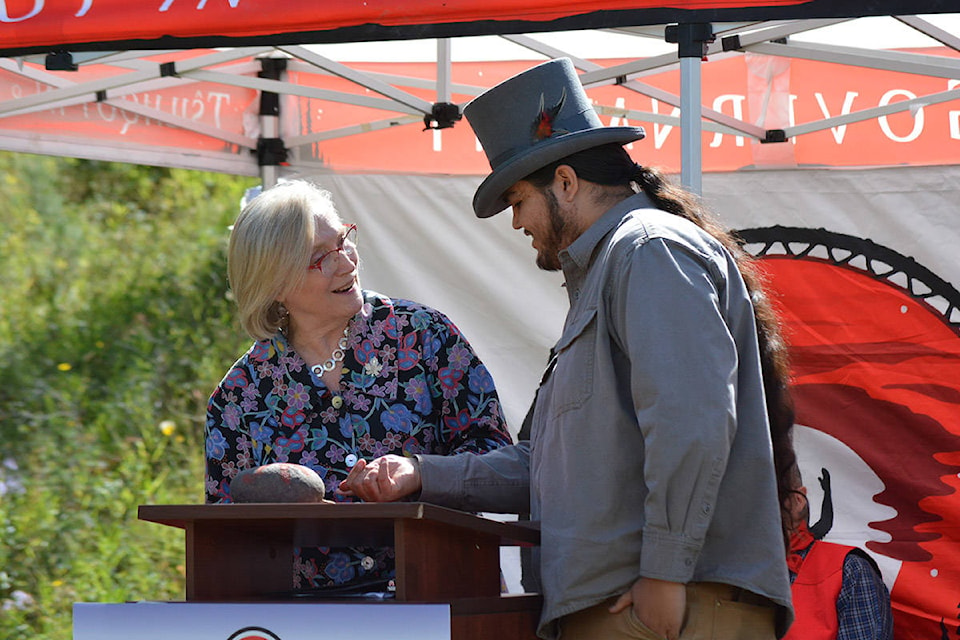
(838, 592)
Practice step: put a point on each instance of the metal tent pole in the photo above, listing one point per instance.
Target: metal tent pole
(443, 113)
(691, 154)
(271, 152)
(692, 40)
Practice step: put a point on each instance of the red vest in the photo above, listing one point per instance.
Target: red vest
(815, 592)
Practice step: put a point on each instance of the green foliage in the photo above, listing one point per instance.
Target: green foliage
(115, 325)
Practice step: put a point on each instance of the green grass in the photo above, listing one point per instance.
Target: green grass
(115, 325)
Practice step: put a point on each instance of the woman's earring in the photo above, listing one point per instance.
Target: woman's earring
(283, 317)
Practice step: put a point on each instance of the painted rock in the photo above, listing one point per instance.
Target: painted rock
(277, 482)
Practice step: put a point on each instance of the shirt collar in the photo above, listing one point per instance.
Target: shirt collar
(578, 254)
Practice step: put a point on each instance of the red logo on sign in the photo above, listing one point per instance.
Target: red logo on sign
(254, 633)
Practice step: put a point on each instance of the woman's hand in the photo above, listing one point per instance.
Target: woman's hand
(658, 604)
(386, 479)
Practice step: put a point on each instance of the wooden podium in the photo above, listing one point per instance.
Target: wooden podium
(244, 552)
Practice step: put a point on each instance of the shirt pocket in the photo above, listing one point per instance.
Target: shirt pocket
(572, 379)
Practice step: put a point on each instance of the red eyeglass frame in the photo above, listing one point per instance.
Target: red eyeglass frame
(343, 238)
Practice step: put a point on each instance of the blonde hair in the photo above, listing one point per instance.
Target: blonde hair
(270, 248)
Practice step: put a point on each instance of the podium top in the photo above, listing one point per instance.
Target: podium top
(371, 517)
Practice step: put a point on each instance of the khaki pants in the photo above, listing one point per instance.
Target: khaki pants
(714, 612)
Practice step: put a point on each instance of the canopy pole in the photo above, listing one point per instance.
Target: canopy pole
(443, 113)
(692, 40)
(271, 152)
(691, 153)
(444, 73)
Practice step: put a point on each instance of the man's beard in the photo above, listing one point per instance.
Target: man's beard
(548, 256)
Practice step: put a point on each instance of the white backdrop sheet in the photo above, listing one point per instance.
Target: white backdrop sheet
(420, 240)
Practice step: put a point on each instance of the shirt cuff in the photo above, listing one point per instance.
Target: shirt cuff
(667, 557)
(441, 479)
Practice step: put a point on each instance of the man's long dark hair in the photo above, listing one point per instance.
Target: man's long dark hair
(611, 165)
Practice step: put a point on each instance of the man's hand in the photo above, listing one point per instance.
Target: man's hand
(658, 604)
(385, 479)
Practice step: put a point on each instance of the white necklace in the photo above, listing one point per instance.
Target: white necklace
(335, 357)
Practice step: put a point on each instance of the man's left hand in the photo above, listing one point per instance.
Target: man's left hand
(658, 604)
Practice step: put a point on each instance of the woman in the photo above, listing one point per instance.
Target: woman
(337, 373)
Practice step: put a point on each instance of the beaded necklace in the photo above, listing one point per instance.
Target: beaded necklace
(335, 357)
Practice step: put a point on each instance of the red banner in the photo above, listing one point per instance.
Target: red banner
(133, 119)
(791, 92)
(804, 91)
(876, 365)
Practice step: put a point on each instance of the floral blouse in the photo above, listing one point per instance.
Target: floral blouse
(411, 384)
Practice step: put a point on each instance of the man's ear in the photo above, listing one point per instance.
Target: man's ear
(567, 183)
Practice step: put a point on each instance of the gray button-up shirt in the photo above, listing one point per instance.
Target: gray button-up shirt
(650, 451)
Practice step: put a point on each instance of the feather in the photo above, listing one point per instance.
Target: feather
(543, 126)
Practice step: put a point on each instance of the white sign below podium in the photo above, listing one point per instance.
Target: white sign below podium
(256, 621)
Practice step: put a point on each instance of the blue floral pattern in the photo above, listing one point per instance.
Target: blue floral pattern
(411, 384)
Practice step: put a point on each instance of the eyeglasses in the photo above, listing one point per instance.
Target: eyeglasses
(328, 262)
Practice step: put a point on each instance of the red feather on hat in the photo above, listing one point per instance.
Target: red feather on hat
(543, 125)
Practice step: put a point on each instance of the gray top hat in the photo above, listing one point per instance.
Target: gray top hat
(530, 120)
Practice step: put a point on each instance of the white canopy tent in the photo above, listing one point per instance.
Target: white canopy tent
(119, 78)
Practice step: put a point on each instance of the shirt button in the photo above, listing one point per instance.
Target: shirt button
(350, 460)
(367, 563)
(337, 402)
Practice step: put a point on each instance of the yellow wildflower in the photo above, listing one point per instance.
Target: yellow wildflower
(167, 427)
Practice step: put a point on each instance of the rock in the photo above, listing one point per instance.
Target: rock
(278, 482)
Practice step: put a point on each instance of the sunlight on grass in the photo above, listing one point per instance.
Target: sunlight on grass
(115, 327)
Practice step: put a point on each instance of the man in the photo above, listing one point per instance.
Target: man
(649, 465)
(838, 591)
